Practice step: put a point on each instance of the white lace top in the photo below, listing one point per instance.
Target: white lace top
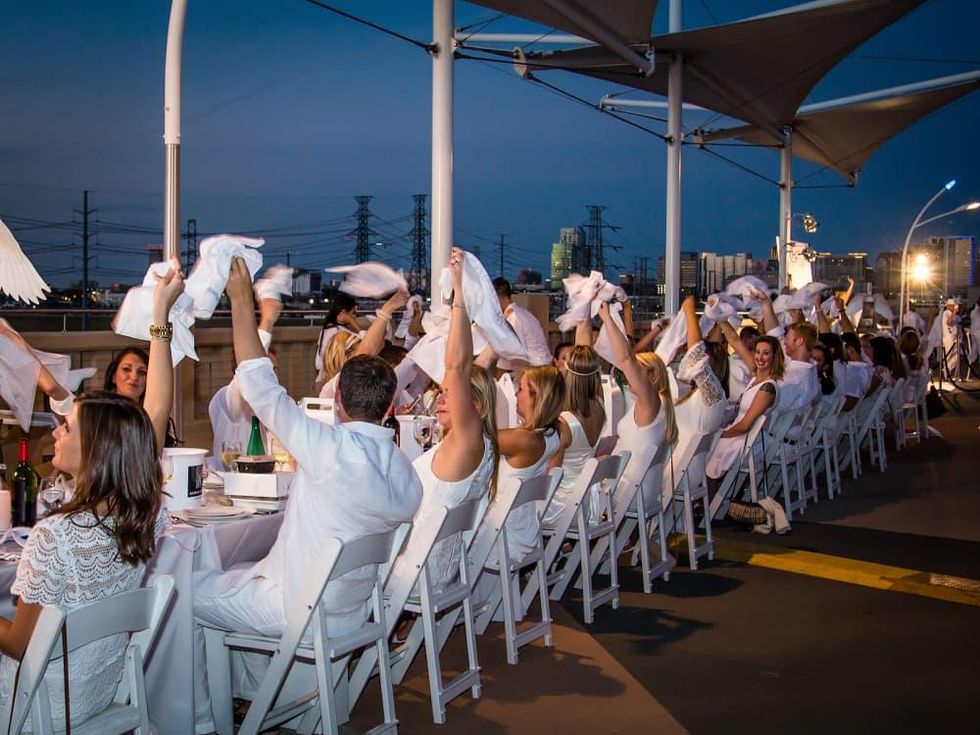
(69, 561)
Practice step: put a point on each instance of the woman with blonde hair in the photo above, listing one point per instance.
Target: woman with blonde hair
(525, 451)
(462, 466)
(649, 423)
(580, 422)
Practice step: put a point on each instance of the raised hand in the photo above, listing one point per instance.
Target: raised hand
(239, 286)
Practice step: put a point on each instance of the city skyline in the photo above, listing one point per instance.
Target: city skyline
(290, 112)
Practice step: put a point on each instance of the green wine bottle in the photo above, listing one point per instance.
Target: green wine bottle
(256, 447)
(24, 497)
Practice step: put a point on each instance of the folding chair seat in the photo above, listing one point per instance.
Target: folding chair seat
(138, 613)
(329, 653)
(825, 446)
(428, 603)
(573, 524)
(508, 594)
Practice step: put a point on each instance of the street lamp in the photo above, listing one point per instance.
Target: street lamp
(919, 222)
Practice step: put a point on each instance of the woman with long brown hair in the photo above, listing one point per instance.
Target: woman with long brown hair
(98, 544)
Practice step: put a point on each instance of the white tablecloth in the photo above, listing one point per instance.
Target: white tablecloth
(183, 549)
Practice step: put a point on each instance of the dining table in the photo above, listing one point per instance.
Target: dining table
(182, 550)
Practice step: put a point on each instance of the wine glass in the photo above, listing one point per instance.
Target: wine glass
(50, 496)
(230, 451)
(167, 468)
(277, 450)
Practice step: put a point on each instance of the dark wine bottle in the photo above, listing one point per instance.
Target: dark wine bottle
(24, 496)
(391, 422)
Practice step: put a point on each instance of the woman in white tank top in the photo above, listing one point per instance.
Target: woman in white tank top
(525, 451)
(462, 466)
(579, 427)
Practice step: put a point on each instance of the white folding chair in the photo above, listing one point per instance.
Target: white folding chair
(537, 490)
(321, 409)
(329, 653)
(429, 604)
(895, 403)
(825, 446)
(690, 487)
(573, 524)
(138, 613)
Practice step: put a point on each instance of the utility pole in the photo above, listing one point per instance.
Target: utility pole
(597, 259)
(502, 244)
(417, 276)
(289, 258)
(85, 212)
(190, 255)
(363, 231)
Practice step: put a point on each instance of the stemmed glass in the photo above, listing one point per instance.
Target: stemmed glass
(230, 452)
(167, 468)
(50, 495)
(422, 430)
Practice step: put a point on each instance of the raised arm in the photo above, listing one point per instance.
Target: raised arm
(583, 333)
(647, 400)
(374, 338)
(823, 323)
(159, 397)
(628, 320)
(45, 380)
(691, 320)
(740, 349)
(769, 320)
(646, 341)
(845, 320)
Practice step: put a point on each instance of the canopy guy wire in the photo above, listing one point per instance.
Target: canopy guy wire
(387, 31)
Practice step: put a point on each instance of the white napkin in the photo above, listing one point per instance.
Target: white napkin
(207, 281)
(17, 274)
(429, 353)
(882, 307)
(603, 346)
(370, 280)
(75, 378)
(406, 321)
(275, 283)
(744, 287)
(483, 308)
(802, 298)
(18, 380)
(581, 291)
(134, 316)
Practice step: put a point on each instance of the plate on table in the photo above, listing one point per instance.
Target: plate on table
(215, 514)
(260, 505)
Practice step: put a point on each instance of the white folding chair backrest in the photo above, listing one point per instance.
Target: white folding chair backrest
(459, 519)
(137, 612)
(321, 409)
(539, 489)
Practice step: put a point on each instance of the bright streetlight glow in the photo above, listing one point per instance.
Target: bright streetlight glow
(951, 184)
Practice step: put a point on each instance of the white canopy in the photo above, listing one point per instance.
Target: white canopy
(628, 20)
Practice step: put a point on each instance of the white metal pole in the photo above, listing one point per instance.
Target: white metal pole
(675, 135)
(903, 292)
(785, 204)
(171, 130)
(442, 141)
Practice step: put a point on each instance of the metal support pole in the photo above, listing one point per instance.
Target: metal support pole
(171, 145)
(903, 292)
(442, 140)
(675, 139)
(785, 204)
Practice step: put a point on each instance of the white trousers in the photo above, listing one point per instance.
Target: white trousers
(256, 606)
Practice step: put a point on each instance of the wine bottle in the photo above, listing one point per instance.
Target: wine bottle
(256, 447)
(391, 422)
(24, 498)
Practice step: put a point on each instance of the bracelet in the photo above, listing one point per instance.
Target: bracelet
(383, 315)
(458, 306)
(163, 332)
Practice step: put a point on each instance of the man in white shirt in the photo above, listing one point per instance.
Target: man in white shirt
(527, 327)
(800, 385)
(855, 373)
(951, 337)
(351, 481)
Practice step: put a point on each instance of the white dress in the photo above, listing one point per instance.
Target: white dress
(522, 524)
(728, 448)
(642, 442)
(69, 561)
(578, 453)
(444, 558)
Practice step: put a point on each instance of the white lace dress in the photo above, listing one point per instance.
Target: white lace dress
(69, 561)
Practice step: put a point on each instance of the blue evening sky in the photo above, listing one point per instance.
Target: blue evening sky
(290, 111)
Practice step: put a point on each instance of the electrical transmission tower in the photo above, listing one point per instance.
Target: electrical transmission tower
(502, 243)
(190, 255)
(85, 212)
(362, 230)
(418, 275)
(594, 250)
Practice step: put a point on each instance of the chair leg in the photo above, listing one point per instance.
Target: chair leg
(586, 572)
(690, 529)
(469, 628)
(219, 680)
(510, 624)
(549, 640)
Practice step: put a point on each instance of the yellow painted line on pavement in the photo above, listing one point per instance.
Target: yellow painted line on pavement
(852, 571)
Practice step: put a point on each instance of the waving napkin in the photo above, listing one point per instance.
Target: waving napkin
(429, 353)
(370, 280)
(581, 292)
(18, 380)
(406, 321)
(209, 277)
(17, 274)
(275, 283)
(603, 346)
(483, 308)
(134, 316)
